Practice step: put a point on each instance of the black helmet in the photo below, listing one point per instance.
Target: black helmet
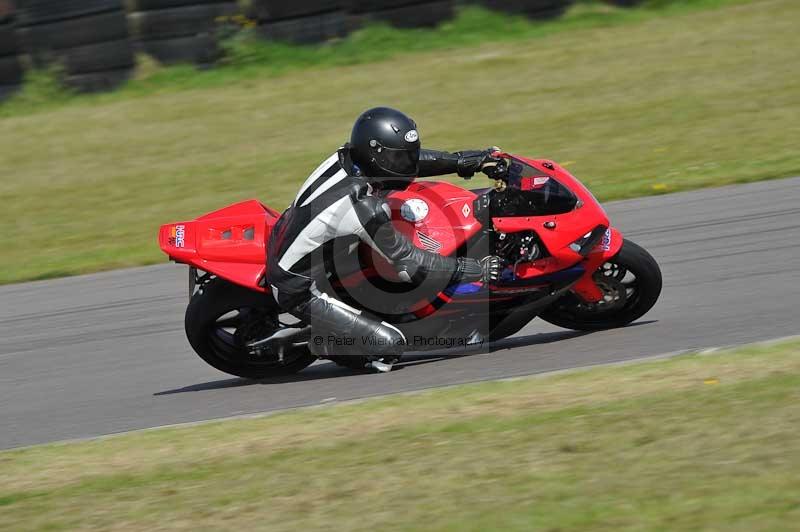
(385, 144)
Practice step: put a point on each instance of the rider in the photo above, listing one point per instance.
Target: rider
(337, 201)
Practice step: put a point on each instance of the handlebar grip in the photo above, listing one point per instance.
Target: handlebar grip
(499, 171)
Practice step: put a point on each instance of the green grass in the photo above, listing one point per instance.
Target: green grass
(639, 102)
(696, 442)
(247, 56)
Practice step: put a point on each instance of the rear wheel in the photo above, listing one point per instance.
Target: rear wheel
(222, 318)
(631, 284)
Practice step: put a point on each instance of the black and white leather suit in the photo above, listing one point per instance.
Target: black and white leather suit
(336, 205)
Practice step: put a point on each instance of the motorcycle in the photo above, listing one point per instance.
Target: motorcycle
(564, 263)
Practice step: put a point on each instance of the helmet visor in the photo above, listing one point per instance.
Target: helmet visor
(399, 161)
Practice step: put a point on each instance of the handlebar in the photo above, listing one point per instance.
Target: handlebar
(499, 171)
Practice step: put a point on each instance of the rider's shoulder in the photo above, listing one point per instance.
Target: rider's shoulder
(360, 189)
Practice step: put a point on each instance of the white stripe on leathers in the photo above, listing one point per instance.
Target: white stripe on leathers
(335, 178)
(340, 219)
(327, 163)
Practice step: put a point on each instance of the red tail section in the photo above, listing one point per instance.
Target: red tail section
(230, 242)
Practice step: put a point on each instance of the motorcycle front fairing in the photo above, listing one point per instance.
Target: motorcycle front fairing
(570, 223)
(535, 196)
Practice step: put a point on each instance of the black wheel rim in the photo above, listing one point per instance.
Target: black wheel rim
(229, 333)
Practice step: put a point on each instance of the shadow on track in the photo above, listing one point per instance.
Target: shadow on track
(329, 370)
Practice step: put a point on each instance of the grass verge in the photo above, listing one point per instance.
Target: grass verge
(247, 56)
(695, 442)
(697, 98)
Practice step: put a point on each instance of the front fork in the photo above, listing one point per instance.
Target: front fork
(586, 287)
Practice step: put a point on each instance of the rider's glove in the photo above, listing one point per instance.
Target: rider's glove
(472, 161)
(490, 269)
(487, 269)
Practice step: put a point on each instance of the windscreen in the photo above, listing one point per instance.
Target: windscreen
(538, 190)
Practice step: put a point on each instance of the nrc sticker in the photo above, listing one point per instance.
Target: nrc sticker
(177, 236)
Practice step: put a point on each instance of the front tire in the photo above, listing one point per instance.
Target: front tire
(631, 283)
(222, 317)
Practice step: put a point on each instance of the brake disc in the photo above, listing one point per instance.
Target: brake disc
(615, 294)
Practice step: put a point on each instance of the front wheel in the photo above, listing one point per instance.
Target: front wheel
(631, 284)
(222, 318)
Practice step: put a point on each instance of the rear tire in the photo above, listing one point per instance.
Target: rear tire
(179, 21)
(81, 31)
(533, 9)
(222, 346)
(269, 10)
(98, 81)
(306, 30)
(409, 16)
(200, 49)
(34, 12)
(149, 5)
(98, 57)
(629, 299)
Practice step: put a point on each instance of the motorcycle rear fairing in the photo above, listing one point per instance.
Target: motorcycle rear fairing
(230, 242)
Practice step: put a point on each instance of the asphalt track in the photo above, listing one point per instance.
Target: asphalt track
(105, 353)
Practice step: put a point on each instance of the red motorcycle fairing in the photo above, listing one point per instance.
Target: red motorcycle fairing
(230, 242)
(437, 216)
(558, 232)
(447, 221)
